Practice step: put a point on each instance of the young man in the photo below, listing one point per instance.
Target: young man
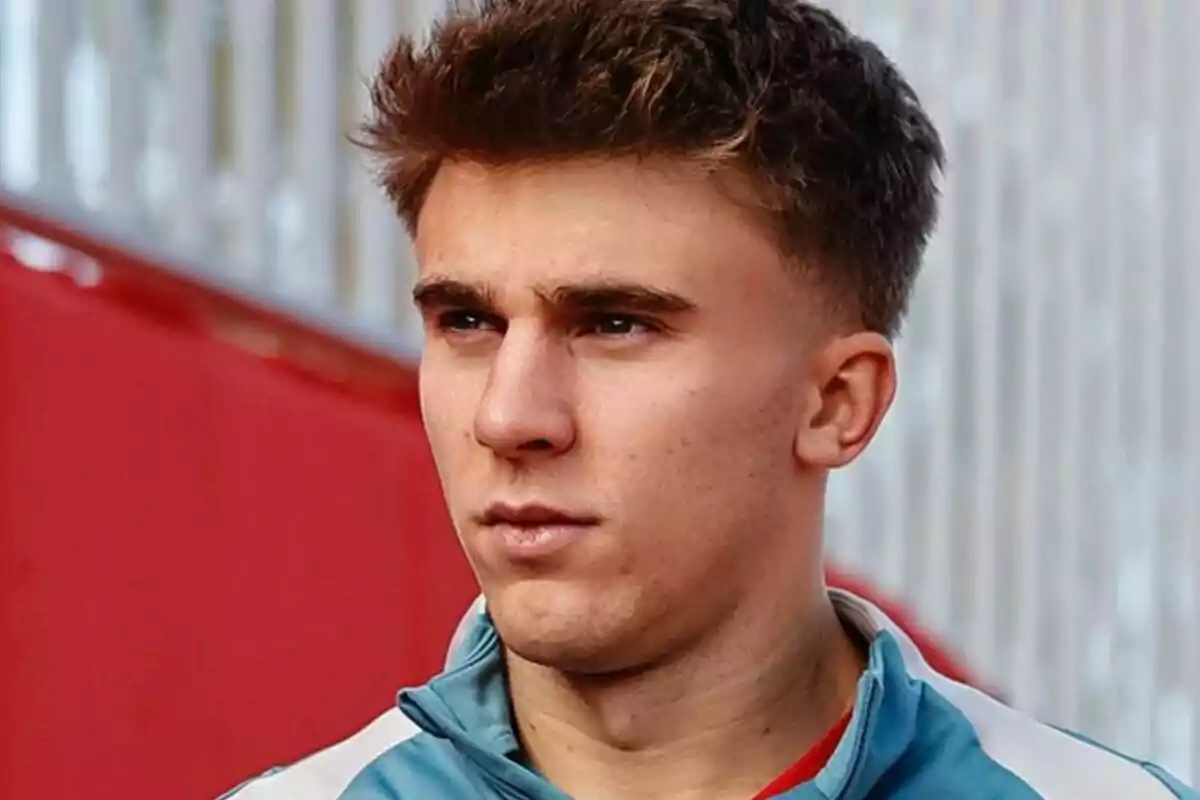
(664, 246)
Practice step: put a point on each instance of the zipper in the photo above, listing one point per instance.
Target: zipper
(858, 752)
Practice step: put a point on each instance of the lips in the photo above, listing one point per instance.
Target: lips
(533, 515)
(532, 532)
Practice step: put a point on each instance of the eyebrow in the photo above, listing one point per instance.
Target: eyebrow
(439, 292)
(607, 296)
(442, 292)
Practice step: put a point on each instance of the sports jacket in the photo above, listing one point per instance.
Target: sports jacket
(914, 735)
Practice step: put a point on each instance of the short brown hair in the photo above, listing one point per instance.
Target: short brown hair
(818, 117)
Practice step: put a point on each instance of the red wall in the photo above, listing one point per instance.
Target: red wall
(208, 564)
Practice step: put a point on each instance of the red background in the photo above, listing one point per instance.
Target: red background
(208, 564)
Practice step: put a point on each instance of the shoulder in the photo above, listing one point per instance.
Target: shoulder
(1021, 757)
(961, 740)
(327, 774)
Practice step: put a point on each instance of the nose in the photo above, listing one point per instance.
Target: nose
(526, 409)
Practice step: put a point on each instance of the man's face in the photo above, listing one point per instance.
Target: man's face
(616, 360)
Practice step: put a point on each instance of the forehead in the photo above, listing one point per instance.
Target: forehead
(654, 221)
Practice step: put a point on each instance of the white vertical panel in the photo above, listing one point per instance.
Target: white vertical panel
(1062, 579)
(314, 276)
(256, 135)
(55, 44)
(126, 52)
(1178, 703)
(7, 23)
(934, 592)
(1152, 457)
(1025, 590)
(989, 25)
(384, 260)
(189, 77)
(6, 60)
(1109, 454)
(1190, 522)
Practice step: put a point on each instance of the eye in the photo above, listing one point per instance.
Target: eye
(464, 321)
(617, 325)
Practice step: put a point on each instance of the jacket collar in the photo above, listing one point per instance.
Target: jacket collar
(468, 705)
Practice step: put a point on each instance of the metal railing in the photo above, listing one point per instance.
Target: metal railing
(1036, 492)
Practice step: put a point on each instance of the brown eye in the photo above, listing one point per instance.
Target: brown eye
(460, 320)
(617, 325)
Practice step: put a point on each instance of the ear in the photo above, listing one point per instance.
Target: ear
(853, 385)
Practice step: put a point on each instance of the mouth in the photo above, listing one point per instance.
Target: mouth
(533, 531)
(533, 515)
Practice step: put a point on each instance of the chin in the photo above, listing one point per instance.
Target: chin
(565, 627)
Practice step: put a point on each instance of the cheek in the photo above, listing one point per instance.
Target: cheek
(448, 403)
(708, 408)
(694, 447)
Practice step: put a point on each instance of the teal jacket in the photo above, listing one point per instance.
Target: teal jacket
(914, 735)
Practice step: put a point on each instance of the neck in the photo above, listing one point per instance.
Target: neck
(721, 719)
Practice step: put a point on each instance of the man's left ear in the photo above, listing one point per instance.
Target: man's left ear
(852, 387)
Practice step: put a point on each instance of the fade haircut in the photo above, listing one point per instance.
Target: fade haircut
(833, 138)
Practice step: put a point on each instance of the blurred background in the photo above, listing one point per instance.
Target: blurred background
(221, 543)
